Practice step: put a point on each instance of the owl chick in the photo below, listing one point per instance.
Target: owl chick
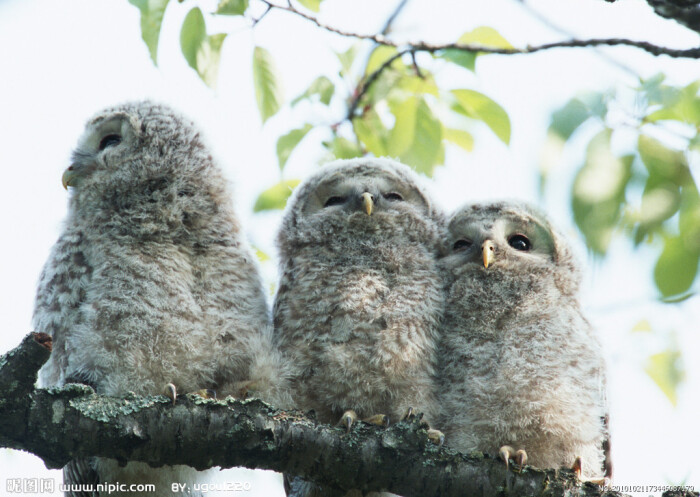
(521, 370)
(151, 281)
(360, 299)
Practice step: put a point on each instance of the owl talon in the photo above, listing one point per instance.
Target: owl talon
(378, 420)
(205, 393)
(170, 392)
(436, 436)
(408, 414)
(577, 467)
(507, 453)
(348, 419)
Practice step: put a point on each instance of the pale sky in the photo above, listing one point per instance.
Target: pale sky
(62, 61)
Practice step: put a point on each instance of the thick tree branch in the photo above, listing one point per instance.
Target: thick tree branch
(60, 424)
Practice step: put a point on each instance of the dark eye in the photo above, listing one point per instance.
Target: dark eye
(109, 140)
(334, 201)
(462, 244)
(393, 196)
(519, 242)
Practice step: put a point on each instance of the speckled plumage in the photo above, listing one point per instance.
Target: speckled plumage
(519, 363)
(151, 280)
(358, 307)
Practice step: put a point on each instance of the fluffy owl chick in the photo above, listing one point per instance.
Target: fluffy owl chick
(150, 281)
(520, 367)
(359, 303)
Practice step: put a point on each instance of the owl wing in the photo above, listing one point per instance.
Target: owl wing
(61, 290)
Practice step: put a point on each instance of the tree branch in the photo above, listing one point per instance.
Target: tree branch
(420, 46)
(61, 424)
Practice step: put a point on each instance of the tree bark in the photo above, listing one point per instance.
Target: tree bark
(60, 424)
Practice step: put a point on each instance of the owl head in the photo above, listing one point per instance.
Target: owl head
(508, 238)
(360, 199)
(143, 163)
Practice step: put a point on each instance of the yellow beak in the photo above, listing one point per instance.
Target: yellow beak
(487, 250)
(368, 203)
(68, 176)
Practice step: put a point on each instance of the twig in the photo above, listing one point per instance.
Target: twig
(393, 16)
(421, 46)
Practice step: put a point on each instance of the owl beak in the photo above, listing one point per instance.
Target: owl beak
(487, 250)
(368, 203)
(69, 176)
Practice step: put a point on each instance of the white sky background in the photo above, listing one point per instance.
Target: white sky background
(62, 61)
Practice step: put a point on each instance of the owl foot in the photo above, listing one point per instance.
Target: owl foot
(170, 392)
(350, 417)
(347, 420)
(507, 453)
(577, 468)
(436, 436)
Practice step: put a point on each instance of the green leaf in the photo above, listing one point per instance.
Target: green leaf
(275, 198)
(287, 143)
(379, 56)
(683, 106)
(643, 326)
(342, 148)
(598, 192)
(676, 268)
(192, 36)
(460, 138)
(484, 36)
(567, 119)
(268, 90)
(371, 132)
(478, 106)
(313, 5)
(666, 370)
(201, 52)
(232, 7)
(152, 12)
(321, 86)
(347, 59)
(460, 57)
(417, 136)
(261, 255)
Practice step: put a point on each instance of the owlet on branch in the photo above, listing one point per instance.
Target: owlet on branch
(360, 299)
(151, 281)
(522, 372)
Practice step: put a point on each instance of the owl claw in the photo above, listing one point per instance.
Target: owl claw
(170, 392)
(507, 453)
(348, 419)
(408, 414)
(206, 393)
(577, 467)
(378, 419)
(436, 436)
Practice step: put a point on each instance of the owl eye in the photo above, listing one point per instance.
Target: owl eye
(334, 201)
(393, 196)
(519, 242)
(109, 140)
(462, 244)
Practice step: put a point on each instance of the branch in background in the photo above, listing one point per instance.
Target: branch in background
(691, 53)
(60, 424)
